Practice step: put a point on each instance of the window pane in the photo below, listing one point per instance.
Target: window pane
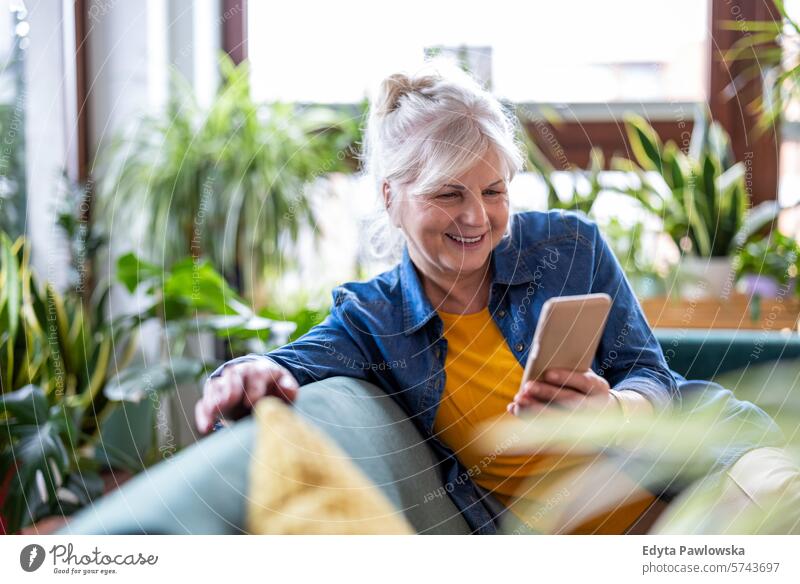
(566, 51)
(13, 40)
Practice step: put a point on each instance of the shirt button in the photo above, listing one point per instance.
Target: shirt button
(437, 352)
(501, 313)
(519, 347)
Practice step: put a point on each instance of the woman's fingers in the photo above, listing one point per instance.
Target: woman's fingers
(560, 387)
(287, 387)
(545, 392)
(239, 387)
(587, 382)
(219, 396)
(202, 418)
(259, 381)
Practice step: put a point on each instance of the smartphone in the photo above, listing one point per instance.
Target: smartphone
(567, 334)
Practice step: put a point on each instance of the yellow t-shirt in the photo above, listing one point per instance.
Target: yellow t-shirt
(482, 377)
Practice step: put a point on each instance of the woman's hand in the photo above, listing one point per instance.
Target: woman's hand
(233, 393)
(563, 388)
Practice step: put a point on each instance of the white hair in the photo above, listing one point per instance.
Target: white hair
(426, 128)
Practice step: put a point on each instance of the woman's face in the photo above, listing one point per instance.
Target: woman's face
(451, 231)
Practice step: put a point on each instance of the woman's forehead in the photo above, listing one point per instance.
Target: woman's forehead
(487, 168)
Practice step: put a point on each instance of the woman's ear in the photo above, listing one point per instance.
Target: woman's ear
(387, 203)
(387, 195)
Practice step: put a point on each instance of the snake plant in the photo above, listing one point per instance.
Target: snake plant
(56, 356)
(700, 195)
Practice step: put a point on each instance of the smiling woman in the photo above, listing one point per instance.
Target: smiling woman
(460, 308)
(452, 232)
(437, 142)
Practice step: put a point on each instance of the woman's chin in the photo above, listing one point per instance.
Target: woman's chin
(464, 264)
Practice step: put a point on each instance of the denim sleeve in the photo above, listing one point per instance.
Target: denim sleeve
(629, 356)
(327, 350)
(749, 426)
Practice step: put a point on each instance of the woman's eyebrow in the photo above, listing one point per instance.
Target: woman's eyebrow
(461, 188)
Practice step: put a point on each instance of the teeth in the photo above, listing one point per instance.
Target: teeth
(464, 239)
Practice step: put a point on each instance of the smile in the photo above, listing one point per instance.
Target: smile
(466, 241)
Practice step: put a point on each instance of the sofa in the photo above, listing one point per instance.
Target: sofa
(203, 489)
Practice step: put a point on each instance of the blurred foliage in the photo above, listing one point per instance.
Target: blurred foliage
(83, 237)
(771, 49)
(65, 367)
(227, 182)
(57, 356)
(775, 255)
(12, 169)
(13, 186)
(579, 198)
(193, 298)
(687, 448)
(627, 243)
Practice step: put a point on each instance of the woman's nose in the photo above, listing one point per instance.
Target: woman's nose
(473, 212)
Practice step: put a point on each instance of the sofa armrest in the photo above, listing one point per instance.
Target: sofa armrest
(202, 489)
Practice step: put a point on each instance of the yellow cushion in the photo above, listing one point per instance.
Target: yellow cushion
(302, 483)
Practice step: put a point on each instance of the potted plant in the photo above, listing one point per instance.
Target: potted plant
(767, 267)
(227, 182)
(700, 197)
(65, 370)
(581, 198)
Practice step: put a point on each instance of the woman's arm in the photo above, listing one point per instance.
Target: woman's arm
(327, 350)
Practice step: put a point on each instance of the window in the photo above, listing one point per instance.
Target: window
(617, 50)
(13, 41)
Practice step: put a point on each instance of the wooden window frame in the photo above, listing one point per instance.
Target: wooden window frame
(76, 106)
(234, 29)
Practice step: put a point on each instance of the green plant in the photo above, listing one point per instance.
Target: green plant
(772, 50)
(226, 183)
(701, 196)
(83, 238)
(192, 297)
(61, 377)
(627, 243)
(776, 256)
(56, 356)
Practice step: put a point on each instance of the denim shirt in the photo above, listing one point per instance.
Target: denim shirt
(386, 331)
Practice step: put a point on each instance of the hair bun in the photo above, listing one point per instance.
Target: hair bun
(397, 85)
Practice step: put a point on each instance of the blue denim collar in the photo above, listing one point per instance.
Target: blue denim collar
(417, 308)
(507, 268)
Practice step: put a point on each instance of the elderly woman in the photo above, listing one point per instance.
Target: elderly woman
(447, 331)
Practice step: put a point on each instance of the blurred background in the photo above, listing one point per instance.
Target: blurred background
(179, 184)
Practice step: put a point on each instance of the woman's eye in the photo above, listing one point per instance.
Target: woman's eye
(448, 196)
(492, 193)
